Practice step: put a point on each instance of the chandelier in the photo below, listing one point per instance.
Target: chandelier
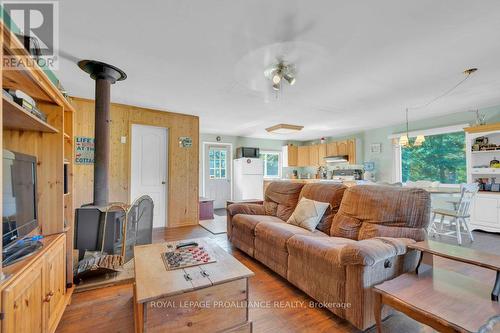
(404, 140)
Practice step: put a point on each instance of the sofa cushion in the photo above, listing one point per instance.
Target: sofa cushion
(249, 222)
(392, 207)
(243, 230)
(279, 233)
(271, 244)
(325, 192)
(281, 198)
(308, 213)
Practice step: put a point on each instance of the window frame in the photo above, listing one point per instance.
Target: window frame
(272, 152)
(397, 151)
(219, 168)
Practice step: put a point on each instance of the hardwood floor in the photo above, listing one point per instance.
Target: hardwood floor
(110, 309)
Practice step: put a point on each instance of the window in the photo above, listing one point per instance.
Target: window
(217, 158)
(441, 158)
(272, 164)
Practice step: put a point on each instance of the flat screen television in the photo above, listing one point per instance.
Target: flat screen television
(19, 196)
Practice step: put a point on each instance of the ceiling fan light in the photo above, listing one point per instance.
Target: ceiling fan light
(276, 78)
(290, 79)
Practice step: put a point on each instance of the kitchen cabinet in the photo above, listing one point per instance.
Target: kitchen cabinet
(303, 156)
(314, 155)
(35, 298)
(290, 155)
(351, 151)
(485, 213)
(331, 149)
(342, 148)
(322, 154)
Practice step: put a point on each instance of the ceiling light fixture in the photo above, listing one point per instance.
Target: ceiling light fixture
(404, 140)
(284, 129)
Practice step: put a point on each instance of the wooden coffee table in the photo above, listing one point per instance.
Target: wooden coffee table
(206, 298)
(445, 300)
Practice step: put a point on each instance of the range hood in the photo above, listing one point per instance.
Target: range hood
(337, 159)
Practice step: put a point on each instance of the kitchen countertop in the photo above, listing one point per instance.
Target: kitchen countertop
(431, 190)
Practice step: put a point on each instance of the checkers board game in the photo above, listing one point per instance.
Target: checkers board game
(186, 255)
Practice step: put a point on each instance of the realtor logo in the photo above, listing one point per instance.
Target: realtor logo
(36, 26)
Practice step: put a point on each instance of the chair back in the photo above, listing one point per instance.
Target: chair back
(468, 193)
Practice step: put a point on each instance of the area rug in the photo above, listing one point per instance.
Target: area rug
(215, 226)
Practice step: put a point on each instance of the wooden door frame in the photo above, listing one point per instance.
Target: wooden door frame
(205, 144)
(167, 164)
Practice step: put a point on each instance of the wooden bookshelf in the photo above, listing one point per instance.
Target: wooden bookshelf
(50, 142)
(17, 118)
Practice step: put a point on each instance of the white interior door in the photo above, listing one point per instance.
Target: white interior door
(149, 168)
(217, 161)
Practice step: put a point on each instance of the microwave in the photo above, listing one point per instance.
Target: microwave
(247, 152)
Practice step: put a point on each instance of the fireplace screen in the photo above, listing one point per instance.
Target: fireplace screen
(138, 228)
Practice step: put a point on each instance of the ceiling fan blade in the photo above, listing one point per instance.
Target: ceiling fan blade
(68, 56)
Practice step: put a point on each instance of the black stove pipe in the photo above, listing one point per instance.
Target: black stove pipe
(104, 75)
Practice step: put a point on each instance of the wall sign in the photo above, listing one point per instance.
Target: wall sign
(376, 148)
(185, 142)
(84, 150)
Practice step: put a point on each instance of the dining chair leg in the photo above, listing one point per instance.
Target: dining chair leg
(432, 225)
(441, 224)
(459, 233)
(467, 228)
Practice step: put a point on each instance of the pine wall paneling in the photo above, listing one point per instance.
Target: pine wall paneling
(183, 164)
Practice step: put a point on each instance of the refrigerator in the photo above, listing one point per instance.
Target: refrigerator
(248, 176)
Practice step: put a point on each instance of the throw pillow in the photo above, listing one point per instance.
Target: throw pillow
(308, 213)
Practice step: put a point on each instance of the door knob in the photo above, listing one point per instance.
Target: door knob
(163, 182)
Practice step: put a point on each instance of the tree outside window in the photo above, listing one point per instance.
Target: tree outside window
(272, 164)
(441, 158)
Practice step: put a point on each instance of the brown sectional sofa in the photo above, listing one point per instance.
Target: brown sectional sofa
(360, 241)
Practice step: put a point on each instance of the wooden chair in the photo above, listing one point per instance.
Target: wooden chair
(459, 217)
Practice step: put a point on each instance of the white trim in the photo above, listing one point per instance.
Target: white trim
(280, 159)
(431, 131)
(230, 160)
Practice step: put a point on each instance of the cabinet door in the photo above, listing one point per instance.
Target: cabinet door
(342, 147)
(351, 151)
(303, 156)
(314, 155)
(22, 303)
(485, 211)
(55, 283)
(331, 149)
(292, 155)
(322, 154)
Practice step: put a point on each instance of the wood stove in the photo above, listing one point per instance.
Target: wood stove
(101, 226)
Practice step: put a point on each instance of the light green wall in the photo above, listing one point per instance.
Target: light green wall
(239, 141)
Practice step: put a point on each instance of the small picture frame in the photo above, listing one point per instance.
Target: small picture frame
(376, 148)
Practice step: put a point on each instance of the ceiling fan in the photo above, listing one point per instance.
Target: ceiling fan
(280, 71)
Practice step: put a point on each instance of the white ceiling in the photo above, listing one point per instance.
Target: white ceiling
(359, 63)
